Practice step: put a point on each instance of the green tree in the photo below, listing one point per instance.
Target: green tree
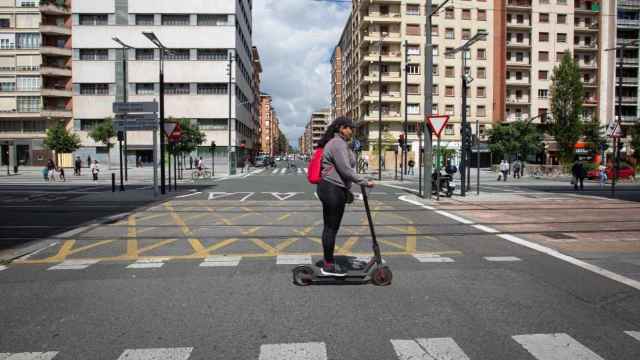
(635, 141)
(515, 139)
(283, 143)
(389, 142)
(191, 138)
(567, 95)
(103, 132)
(60, 140)
(594, 134)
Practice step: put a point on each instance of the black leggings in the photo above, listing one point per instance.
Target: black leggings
(333, 200)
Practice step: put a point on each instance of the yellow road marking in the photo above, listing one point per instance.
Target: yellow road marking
(87, 247)
(132, 243)
(349, 244)
(411, 239)
(198, 247)
(195, 243)
(141, 231)
(391, 243)
(150, 217)
(285, 244)
(251, 231)
(220, 245)
(270, 249)
(64, 250)
(283, 217)
(155, 246)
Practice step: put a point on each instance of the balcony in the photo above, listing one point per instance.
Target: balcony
(30, 68)
(629, 119)
(582, 27)
(590, 102)
(4, 69)
(519, 64)
(583, 8)
(48, 70)
(518, 26)
(586, 47)
(372, 57)
(57, 92)
(386, 97)
(56, 112)
(383, 18)
(629, 3)
(511, 44)
(55, 51)
(386, 78)
(386, 38)
(386, 116)
(518, 83)
(588, 65)
(629, 23)
(629, 61)
(51, 8)
(516, 101)
(630, 99)
(55, 30)
(519, 5)
(626, 42)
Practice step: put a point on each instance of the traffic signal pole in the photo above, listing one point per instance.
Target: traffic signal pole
(428, 101)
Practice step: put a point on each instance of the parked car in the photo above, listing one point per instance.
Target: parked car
(262, 160)
(625, 172)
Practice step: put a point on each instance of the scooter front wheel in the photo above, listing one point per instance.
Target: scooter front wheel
(382, 276)
(302, 275)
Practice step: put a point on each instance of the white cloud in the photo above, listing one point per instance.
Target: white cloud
(295, 39)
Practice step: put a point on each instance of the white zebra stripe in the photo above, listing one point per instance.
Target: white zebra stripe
(156, 354)
(502, 258)
(293, 259)
(283, 171)
(428, 349)
(148, 263)
(29, 356)
(2, 267)
(221, 261)
(299, 171)
(558, 346)
(294, 351)
(73, 265)
(634, 334)
(429, 258)
(275, 171)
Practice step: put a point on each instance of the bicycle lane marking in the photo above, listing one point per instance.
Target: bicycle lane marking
(533, 246)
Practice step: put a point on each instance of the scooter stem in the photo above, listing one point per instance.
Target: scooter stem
(376, 247)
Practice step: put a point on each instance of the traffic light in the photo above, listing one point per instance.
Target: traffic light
(213, 146)
(401, 140)
(467, 140)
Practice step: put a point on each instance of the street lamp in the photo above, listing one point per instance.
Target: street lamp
(125, 47)
(380, 106)
(154, 39)
(465, 132)
(616, 143)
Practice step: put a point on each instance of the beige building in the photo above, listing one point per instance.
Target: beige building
(317, 126)
(35, 76)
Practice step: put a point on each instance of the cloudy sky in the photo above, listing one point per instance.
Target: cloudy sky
(295, 39)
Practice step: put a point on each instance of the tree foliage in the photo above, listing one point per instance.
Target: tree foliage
(567, 95)
(60, 140)
(389, 142)
(103, 132)
(515, 139)
(594, 134)
(191, 138)
(635, 141)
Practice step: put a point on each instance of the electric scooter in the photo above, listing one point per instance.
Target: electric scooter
(373, 271)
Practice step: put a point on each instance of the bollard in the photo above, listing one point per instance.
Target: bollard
(113, 182)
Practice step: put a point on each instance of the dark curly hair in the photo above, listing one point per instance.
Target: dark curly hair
(334, 128)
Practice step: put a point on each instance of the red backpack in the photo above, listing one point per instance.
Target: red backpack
(314, 175)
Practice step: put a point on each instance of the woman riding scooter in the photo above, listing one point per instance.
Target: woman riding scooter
(338, 173)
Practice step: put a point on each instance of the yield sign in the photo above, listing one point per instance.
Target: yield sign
(169, 127)
(613, 129)
(437, 123)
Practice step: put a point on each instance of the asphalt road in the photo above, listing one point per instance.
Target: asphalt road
(207, 275)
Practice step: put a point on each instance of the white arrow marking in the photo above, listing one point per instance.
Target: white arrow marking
(218, 195)
(246, 197)
(283, 196)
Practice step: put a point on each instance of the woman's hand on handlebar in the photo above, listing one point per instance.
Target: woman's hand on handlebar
(370, 184)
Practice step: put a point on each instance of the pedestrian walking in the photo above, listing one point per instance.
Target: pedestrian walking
(504, 170)
(602, 175)
(516, 169)
(95, 169)
(579, 173)
(89, 163)
(522, 166)
(411, 164)
(45, 173)
(77, 165)
(61, 174)
(51, 167)
(337, 175)
(246, 163)
(190, 162)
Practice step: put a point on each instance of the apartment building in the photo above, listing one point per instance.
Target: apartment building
(395, 30)
(35, 72)
(317, 126)
(257, 79)
(336, 83)
(628, 29)
(201, 37)
(269, 125)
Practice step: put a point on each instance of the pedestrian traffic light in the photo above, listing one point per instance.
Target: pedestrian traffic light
(401, 140)
(213, 146)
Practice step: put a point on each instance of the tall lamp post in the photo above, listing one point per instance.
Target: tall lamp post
(466, 128)
(380, 106)
(125, 83)
(230, 150)
(154, 39)
(618, 125)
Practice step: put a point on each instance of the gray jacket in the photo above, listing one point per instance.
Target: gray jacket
(338, 164)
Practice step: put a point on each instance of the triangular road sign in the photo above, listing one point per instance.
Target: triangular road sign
(437, 123)
(169, 127)
(613, 129)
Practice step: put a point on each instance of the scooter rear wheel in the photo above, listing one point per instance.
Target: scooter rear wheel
(382, 276)
(302, 275)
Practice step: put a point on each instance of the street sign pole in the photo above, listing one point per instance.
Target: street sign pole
(120, 139)
(478, 156)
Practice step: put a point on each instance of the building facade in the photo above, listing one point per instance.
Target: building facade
(628, 61)
(35, 72)
(317, 126)
(206, 42)
(257, 79)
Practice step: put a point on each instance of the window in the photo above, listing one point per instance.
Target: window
(482, 15)
(212, 89)
(384, 10)
(544, 17)
(28, 83)
(413, 89)
(415, 50)
(413, 69)
(449, 72)
(212, 124)
(177, 89)
(562, 19)
(543, 75)
(435, 90)
(466, 14)
(94, 89)
(27, 40)
(28, 103)
(466, 34)
(212, 20)
(212, 54)
(435, 71)
(435, 30)
(449, 54)
(434, 109)
(145, 89)
(177, 54)
(562, 37)
(413, 9)
(519, 56)
(543, 56)
(449, 13)
(436, 50)
(94, 19)
(449, 109)
(144, 19)
(175, 19)
(520, 37)
(449, 130)
(482, 73)
(481, 111)
(144, 54)
(559, 56)
(94, 54)
(449, 33)
(449, 91)
(482, 54)
(518, 75)
(543, 93)
(413, 109)
(481, 92)
(5, 23)
(520, 19)
(543, 36)
(413, 29)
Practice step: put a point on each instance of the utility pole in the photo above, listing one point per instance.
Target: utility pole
(125, 52)
(380, 107)
(406, 113)
(428, 99)
(230, 120)
(463, 130)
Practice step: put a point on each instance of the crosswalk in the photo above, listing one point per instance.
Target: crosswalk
(281, 171)
(540, 346)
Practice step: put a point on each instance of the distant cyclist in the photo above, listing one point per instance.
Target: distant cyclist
(338, 173)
